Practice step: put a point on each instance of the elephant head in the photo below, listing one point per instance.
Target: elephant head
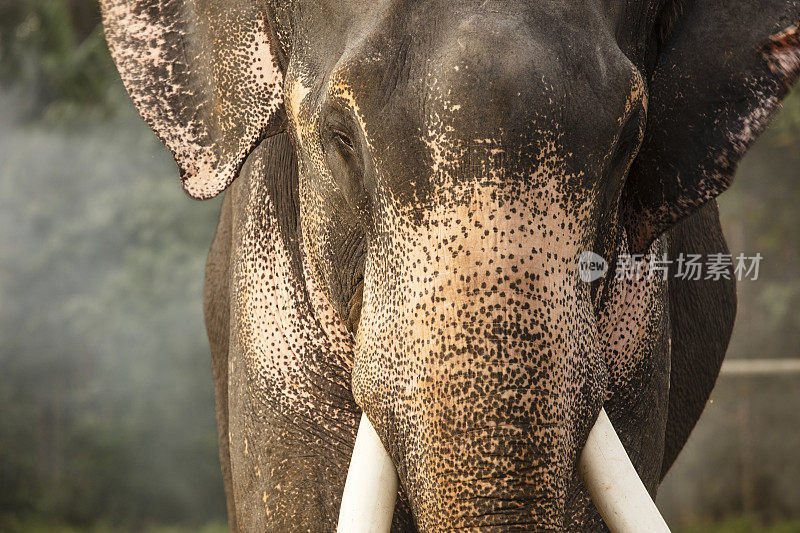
(454, 159)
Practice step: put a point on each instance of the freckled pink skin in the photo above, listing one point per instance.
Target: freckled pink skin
(225, 89)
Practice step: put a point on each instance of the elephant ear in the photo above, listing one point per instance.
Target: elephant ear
(720, 76)
(202, 73)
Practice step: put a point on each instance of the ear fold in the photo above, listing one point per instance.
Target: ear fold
(718, 80)
(203, 75)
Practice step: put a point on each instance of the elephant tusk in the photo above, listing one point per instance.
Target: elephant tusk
(371, 487)
(614, 485)
(370, 491)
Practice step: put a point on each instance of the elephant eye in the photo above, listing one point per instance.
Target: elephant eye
(630, 139)
(343, 140)
(343, 154)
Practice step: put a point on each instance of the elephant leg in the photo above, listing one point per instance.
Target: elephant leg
(702, 313)
(217, 318)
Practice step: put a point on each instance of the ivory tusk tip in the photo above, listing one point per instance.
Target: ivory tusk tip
(614, 485)
(370, 491)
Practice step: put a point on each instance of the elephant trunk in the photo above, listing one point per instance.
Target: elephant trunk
(477, 357)
(487, 428)
(615, 488)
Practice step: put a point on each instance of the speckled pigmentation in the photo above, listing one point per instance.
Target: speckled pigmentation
(203, 76)
(404, 235)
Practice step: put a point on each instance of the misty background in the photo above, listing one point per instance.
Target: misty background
(106, 402)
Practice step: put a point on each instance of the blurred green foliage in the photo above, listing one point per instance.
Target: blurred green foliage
(105, 389)
(56, 50)
(34, 526)
(742, 524)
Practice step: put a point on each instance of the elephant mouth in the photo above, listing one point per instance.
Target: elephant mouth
(370, 491)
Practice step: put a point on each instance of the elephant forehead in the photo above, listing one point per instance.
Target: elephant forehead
(475, 199)
(460, 97)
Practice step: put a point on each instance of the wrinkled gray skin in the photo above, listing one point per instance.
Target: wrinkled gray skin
(416, 181)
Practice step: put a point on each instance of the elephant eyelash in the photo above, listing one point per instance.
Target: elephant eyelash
(343, 140)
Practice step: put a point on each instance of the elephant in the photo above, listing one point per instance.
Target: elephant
(409, 187)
